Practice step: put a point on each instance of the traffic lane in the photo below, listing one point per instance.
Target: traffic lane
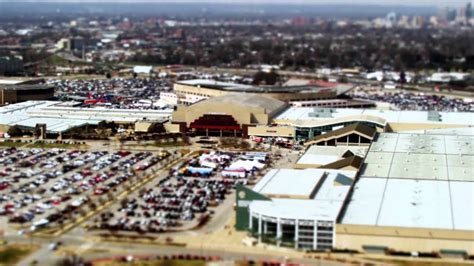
(125, 249)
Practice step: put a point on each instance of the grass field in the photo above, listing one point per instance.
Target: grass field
(55, 145)
(169, 144)
(9, 144)
(10, 255)
(58, 60)
(171, 263)
(159, 145)
(155, 263)
(407, 262)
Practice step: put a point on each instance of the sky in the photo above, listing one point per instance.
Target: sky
(439, 3)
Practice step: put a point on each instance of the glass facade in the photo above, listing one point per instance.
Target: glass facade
(300, 234)
(306, 133)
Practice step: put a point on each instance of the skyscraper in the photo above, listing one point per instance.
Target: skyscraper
(468, 11)
(391, 19)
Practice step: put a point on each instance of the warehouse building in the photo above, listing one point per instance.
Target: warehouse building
(191, 91)
(411, 193)
(294, 208)
(415, 193)
(60, 118)
(14, 91)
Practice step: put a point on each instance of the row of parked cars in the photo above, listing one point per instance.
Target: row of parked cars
(39, 195)
(167, 206)
(176, 202)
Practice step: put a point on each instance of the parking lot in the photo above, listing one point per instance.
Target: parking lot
(415, 101)
(122, 93)
(42, 188)
(186, 197)
(49, 188)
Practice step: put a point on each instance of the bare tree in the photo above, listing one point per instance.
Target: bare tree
(72, 260)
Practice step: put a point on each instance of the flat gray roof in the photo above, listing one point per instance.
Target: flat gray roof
(328, 154)
(303, 114)
(325, 204)
(236, 87)
(416, 180)
(289, 182)
(60, 117)
(297, 209)
(412, 203)
(421, 156)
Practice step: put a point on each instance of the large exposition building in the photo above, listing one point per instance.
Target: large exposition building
(295, 208)
(191, 91)
(412, 193)
(415, 193)
(228, 115)
(257, 115)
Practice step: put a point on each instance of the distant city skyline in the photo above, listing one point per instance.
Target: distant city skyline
(437, 3)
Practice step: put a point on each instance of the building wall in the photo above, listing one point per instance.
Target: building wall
(194, 90)
(4, 128)
(243, 197)
(267, 131)
(403, 239)
(143, 126)
(300, 234)
(10, 65)
(306, 166)
(243, 115)
(400, 127)
(14, 96)
(172, 128)
(286, 97)
(35, 97)
(7, 96)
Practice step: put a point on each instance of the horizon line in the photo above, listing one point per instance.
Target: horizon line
(227, 2)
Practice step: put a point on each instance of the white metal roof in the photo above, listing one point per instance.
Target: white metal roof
(52, 124)
(142, 69)
(467, 131)
(324, 205)
(415, 203)
(421, 156)
(297, 209)
(365, 202)
(331, 191)
(10, 81)
(59, 117)
(211, 82)
(327, 154)
(462, 202)
(289, 182)
(303, 113)
(412, 203)
(416, 180)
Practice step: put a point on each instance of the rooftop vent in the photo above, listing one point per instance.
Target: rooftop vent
(434, 116)
(322, 112)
